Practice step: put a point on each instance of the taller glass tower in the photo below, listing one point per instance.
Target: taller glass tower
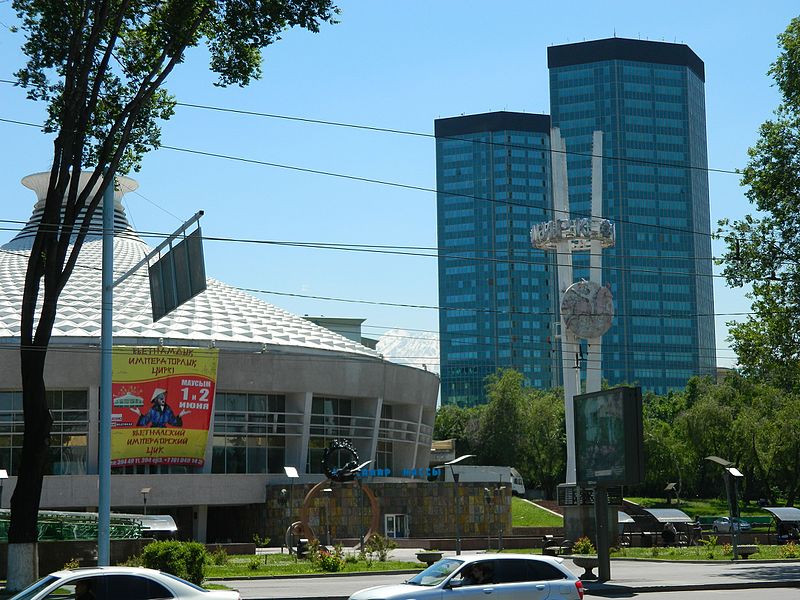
(498, 295)
(648, 99)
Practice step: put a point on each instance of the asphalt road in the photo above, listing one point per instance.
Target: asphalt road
(628, 578)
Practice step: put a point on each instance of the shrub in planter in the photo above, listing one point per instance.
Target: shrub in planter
(583, 545)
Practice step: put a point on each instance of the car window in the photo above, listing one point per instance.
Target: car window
(511, 570)
(34, 588)
(436, 573)
(515, 570)
(477, 573)
(542, 571)
(133, 587)
(82, 588)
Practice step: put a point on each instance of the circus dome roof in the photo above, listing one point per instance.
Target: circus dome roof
(222, 314)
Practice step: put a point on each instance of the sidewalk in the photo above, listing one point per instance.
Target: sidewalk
(628, 576)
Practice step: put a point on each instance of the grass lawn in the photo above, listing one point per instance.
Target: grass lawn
(285, 564)
(525, 514)
(718, 552)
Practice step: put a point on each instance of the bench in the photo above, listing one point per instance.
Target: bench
(564, 547)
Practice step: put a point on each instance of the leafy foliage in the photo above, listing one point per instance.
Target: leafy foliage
(763, 250)
(100, 68)
(184, 559)
(380, 546)
(583, 545)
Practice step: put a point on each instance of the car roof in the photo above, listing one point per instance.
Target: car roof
(106, 571)
(468, 558)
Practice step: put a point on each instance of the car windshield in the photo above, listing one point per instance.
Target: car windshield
(436, 573)
(33, 589)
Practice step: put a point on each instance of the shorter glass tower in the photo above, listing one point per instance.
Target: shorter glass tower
(497, 295)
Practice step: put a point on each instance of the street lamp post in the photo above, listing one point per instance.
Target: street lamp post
(730, 475)
(3, 475)
(455, 497)
(291, 473)
(357, 472)
(499, 491)
(328, 492)
(145, 491)
(487, 496)
(284, 501)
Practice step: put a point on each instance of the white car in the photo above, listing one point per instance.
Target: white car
(723, 525)
(473, 577)
(118, 583)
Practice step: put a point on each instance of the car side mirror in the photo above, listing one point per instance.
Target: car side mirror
(455, 583)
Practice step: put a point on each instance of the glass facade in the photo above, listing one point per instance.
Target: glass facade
(497, 294)
(67, 454)
(651, 111)
(249, 433)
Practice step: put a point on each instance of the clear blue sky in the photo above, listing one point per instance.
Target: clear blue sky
(399, 66)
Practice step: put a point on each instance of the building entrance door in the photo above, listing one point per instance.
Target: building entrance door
(396, 526)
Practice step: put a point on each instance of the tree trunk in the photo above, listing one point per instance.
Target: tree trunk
(23, 532)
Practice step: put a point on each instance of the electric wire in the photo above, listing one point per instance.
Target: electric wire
(412, 187)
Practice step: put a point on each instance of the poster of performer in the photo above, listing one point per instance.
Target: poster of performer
(162, 399)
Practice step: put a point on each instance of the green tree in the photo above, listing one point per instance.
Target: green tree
(763, 250)
(501, 426)
(544, 447)
(458, 423)
(100, 67)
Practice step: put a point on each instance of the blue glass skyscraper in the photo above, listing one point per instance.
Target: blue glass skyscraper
(498, 295)
(648, 99)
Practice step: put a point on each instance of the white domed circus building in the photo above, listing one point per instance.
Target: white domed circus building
(285, 388)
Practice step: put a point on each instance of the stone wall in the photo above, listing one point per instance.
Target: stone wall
(430, 507)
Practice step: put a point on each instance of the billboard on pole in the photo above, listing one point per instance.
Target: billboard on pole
(609, 437)
(162, 399)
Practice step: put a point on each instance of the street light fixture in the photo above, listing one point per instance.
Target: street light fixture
(731, 474)
(3, 475)
(455, 497)
(145, 491)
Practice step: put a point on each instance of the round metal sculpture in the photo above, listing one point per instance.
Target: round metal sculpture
(340, 460)
(340, 463)
(587, 309)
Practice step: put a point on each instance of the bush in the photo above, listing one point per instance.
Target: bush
(254, 564)
(72, 563)
(219, 557)
(330, 563)
(184, 559)
(790, 550)
(377, 544)
(583, 546)
(727, 549)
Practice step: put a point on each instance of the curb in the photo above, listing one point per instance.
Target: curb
(618, 590)
(315, 575)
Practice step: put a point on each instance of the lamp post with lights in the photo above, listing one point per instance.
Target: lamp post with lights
(456, 498)
(145, 491)
(731, 474)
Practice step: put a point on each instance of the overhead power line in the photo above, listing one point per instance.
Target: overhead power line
(412, 187)
(425, 135)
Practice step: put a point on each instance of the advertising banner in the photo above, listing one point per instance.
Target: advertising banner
(161, 406)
